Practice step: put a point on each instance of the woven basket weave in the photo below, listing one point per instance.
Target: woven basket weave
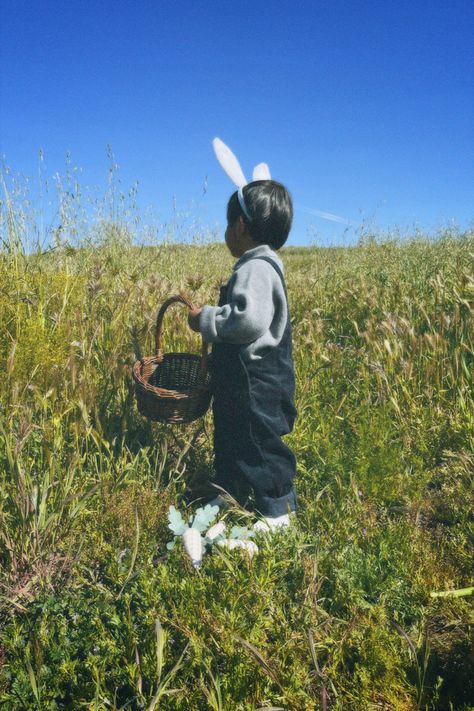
(172, 387)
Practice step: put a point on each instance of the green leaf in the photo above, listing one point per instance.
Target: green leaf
(460, 592)
(31, 674)
(240, 532)
(176, 523)
(211, 541)
(204, 517)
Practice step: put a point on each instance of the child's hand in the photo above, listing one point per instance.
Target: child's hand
(193, 319)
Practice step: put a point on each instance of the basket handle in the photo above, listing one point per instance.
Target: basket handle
(159, 322)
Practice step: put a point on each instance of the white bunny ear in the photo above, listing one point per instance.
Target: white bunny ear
(229, 163)
(261, 172)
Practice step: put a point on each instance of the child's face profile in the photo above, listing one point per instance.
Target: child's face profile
(237, 238)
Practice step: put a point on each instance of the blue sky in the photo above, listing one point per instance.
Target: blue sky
(363, 109)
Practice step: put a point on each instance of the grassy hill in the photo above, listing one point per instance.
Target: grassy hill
(338, 614)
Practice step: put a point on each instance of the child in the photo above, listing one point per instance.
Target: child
(251, 362)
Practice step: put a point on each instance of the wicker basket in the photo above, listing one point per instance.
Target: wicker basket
(172, 387)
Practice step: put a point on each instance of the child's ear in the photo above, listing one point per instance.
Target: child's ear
(241, 226)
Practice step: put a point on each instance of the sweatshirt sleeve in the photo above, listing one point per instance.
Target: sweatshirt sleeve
(250, 310)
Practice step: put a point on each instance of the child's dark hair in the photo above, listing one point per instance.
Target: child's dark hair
(270, 208)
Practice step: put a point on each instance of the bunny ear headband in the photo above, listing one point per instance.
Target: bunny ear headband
(261, 172)
(231, 166)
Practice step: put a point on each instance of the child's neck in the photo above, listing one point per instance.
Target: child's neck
(245, 245)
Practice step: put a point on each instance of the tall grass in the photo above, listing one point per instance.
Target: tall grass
(337, 614)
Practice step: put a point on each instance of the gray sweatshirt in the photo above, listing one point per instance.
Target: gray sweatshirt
(256, 314)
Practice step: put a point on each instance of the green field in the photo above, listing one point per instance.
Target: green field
(338, 613)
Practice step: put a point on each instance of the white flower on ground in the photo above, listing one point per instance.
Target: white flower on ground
(216, 530)
(193, 546)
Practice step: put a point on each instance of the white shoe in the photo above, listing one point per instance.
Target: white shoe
(271, 524)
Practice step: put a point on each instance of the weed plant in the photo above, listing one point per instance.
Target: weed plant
(337, 614)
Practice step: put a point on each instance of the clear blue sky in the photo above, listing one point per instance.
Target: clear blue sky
(364, 109)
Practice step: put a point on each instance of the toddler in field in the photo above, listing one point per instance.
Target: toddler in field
(251, 361)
